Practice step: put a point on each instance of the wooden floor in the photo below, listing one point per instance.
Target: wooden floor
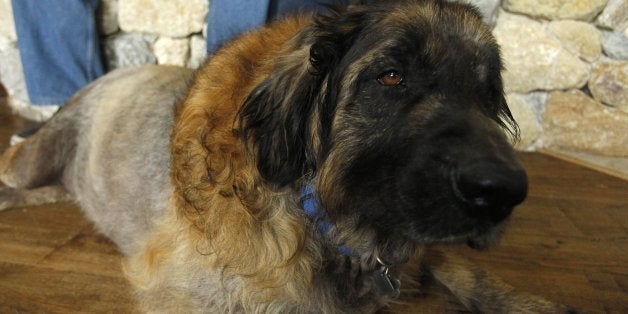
(567, 242)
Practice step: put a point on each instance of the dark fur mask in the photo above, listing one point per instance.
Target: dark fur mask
(396, 112)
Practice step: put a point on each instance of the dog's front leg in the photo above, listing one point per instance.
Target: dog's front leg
(482, 292)
(12, 197)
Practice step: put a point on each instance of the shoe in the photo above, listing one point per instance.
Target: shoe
(25, 109)
(20, 137)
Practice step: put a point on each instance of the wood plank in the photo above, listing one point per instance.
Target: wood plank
(27, 235)
(25, 288)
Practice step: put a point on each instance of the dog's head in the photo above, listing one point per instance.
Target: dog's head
(396, 112)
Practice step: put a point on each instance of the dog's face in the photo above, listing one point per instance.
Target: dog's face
(398, 115)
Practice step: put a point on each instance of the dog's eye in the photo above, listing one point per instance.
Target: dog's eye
(390, 78)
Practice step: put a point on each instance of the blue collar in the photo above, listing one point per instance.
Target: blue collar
(316, 213)
(384, 282)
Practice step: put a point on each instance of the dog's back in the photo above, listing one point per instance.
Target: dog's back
(106, 147)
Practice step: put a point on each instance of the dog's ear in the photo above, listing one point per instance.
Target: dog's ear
(275, 120)
(278, 116)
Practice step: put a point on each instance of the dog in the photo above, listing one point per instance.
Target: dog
(307, 166)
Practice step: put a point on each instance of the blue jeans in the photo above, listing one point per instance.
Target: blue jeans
(59, 47)
(228, 18)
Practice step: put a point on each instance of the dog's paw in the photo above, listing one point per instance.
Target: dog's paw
(11, 197)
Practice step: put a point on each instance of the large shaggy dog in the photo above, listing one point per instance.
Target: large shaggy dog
(306, 167)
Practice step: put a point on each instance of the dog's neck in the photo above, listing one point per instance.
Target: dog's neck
(313, 210)
(384, 282)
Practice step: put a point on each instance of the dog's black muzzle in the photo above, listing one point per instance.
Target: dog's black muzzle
(486, 175)
(490, 188)
(464, 179)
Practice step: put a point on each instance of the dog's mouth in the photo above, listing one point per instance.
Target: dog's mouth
(488, 238)
(481, 235)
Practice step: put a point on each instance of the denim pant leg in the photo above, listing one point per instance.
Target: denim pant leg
(278, 8)
(228, 18)
(59, 48)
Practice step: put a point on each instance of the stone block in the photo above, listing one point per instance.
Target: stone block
(122, 50)
(615, 45)
(7, 26)
(11, 73)
(172, 51)
(615, 16)
(609, 84)
(171, 18)
(580, 38)
(198, 51)
(534, 59)
(585, 10)
(574, 121)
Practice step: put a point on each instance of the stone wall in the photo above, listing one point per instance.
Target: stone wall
(566, 60)
(133, 32)
(159, 31)
(567, 72)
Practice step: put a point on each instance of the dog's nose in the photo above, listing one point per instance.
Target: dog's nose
(492, 189)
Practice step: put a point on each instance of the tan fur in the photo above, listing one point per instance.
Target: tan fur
(218, 189)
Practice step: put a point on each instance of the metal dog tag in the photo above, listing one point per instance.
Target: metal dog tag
(386, 284)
